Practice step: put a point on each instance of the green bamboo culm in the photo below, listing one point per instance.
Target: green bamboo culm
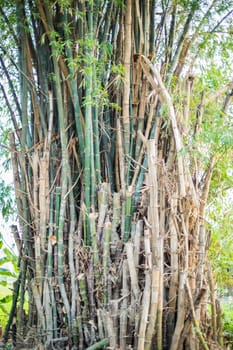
(127, 226)
(89, 167)
(99, 345)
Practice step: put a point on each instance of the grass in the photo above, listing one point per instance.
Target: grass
(5, 306)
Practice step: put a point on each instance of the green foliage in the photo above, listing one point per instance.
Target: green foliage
(5, 303)
(221, 248)
(227, 319)
(6, 200)
(8, 274)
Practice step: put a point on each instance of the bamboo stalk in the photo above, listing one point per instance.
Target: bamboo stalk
(39, 307)
(106, 258)
(92, 283)
(154, 215)
(83, 296)
(153, 307)
(99, 345)
(121, 158)
(96, 260)
(145, 312)
(60, 208)
(141, 117)
(180, 312)
(16, 287)
(110, 329)
(16, 179)
(96, 137)
(126, 89)
(43, 201)
(38, 258)
(132, 270)
(65, 170)
(47, 305)
(201, 258)
(166, 98)
(102, 206)
(127, 225)
(137, 241)
(71, 256)
(35, 195)
(89, 170)
(189, 83)
(148, 254)
(75, 100)
(139, 19)
(100, 323)
(20, 310)
(139, 166)
(174, 266)
(124, 304)
(195, 322)
(115, 220)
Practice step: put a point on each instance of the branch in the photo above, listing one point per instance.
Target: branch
(166, 99)
(218, 93)
(221, 21)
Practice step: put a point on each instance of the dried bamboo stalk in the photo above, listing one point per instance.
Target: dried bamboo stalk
(106, 258)
(155, 280)
(181, 312)
(166, 98)
(146, 299)
(189, 84)
(124, 306)
(201, 258)
(153, 207)
(102, 206)
(141, 116)
(115, 220)
(110, 330)
(44, 199)
(39, 307)
(120, 149)
(148, 254)
(132, 270)
(137, 241)
(35, 195)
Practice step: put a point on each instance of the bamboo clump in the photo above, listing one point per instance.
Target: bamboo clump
(113, 247)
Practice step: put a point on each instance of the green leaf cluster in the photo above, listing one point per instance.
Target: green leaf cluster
(6, 200)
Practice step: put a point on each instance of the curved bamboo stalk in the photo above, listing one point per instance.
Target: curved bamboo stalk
(166, 98)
